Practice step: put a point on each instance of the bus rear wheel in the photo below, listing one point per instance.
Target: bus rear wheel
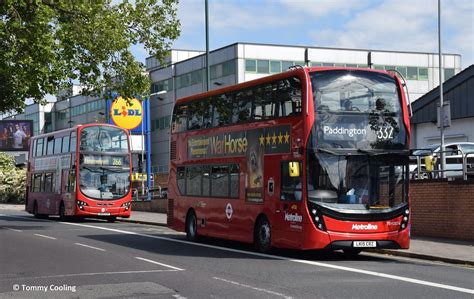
(191, 227)
(36, 212)
(263, 235)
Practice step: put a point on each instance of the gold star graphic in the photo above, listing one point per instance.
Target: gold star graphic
(287, 137)
(280, 138)
(268, 138)
(262, 140)
(274, 138)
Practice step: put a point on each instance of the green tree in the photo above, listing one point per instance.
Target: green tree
(46, 45)
(12, 180)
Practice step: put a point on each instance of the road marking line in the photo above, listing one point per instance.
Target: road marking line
(47, 237)
(88, 246)
(87, 274)
(161, 264)
(178, 296)
(372, 273)
(15, 230)
(253, 288)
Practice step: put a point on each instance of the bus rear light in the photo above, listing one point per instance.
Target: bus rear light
(405, 218)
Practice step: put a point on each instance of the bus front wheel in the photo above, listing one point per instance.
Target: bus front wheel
(263, 235)
(191, 227)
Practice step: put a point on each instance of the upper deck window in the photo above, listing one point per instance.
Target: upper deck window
(357, 109)
(271, 100)
(103, 139)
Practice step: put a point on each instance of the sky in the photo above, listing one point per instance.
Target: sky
(394, 25)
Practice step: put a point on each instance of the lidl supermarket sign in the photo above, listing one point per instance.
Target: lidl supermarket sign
(126, 115)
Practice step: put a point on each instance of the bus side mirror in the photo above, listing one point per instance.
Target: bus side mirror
(294, 168)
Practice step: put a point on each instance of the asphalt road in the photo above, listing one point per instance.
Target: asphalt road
(89, 259)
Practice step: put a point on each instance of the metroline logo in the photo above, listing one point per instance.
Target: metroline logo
(364, 226)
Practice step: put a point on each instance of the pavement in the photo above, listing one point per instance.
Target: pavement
(434, 249)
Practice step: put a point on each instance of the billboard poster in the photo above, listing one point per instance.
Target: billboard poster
(15, 134)
(252, 144)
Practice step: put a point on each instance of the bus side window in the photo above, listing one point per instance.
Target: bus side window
(72, 143)
(36, 185)
(50, 149)
(242, 108)
(180, 115)
(65, 147)
(181, 180)
(48, 182)
(195, 117)
(222, 110)
(57, 145)
(33, 148)
(39, 147)
(291, 186)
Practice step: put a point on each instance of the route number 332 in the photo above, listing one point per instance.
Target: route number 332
(385, 133)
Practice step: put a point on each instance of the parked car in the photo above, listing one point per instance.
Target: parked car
(454, 159)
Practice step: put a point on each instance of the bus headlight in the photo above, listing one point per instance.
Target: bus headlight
(317, 217)
(81, 204)
(126, 205)
(405, 218)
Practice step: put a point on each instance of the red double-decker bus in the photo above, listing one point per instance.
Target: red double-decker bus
(83, 171)
(310, 158)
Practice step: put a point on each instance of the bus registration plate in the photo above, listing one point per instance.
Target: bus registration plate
(365, 244)
(104, 214)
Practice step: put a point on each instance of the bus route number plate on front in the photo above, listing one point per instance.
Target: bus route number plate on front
(365, 244)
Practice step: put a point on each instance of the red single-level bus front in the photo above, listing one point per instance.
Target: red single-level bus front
(311, 158)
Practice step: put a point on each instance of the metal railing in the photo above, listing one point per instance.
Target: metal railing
(466, 166)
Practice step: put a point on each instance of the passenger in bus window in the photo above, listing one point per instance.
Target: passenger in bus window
(347, 105)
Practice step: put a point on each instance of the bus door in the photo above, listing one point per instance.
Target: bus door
(286, 177)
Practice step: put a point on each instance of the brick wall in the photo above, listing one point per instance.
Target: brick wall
(155, 205)
(442, 209)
